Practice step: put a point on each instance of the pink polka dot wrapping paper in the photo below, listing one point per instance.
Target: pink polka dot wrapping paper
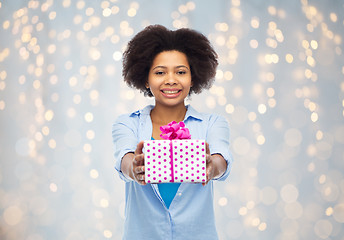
(175, 161)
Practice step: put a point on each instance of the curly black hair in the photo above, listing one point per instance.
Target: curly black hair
(154, 39)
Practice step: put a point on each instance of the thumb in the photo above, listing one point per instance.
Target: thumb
(139, 148)
(207, 152)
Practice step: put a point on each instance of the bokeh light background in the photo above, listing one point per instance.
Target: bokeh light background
(279, 84)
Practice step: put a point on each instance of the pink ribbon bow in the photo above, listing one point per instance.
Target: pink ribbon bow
(175, 130)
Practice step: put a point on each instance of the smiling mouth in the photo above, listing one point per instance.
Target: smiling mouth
(170, 91)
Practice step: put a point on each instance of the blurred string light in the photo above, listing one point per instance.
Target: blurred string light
(279, 85)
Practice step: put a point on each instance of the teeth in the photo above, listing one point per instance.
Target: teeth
(170, 92)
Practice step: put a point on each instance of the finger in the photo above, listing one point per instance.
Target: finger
(207, 150)
(140, 178)
(143, 182)
(139, 160)
(208, 159)
(209, 172)
(140, 169)
(206, 182)
(139, 148)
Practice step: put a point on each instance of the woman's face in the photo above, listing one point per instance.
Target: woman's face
(169, 78)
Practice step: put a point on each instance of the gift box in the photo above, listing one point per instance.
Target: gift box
(175, 161)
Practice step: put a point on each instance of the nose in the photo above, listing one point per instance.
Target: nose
(170, 79)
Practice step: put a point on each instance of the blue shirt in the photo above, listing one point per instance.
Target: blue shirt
(191, 213)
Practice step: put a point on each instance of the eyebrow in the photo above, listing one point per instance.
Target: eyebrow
(179, 66)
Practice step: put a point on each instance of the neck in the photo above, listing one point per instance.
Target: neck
(163, 115)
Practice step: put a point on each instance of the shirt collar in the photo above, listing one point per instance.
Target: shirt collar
(145, 111)
(190, 112)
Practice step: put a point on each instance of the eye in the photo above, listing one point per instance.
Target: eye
(181, 72)
(159, 73)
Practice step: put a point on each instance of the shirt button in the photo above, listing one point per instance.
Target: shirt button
(179, 194)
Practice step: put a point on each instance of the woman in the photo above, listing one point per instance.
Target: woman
(169, 66)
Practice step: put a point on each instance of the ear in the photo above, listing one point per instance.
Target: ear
(146, 84)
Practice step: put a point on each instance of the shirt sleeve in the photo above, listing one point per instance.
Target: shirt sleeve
(218, 138)
(124, 137)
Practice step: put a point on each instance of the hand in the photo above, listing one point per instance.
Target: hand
(209, 165)
(215, 165)
(138, 165)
